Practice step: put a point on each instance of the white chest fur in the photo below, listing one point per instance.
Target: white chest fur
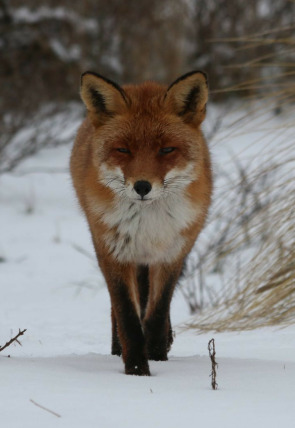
(146, 233)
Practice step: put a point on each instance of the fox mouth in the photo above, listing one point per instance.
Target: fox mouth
(145, 200)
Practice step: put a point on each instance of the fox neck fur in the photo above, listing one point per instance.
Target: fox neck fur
(147, 232)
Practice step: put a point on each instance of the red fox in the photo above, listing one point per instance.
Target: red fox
(141, 170)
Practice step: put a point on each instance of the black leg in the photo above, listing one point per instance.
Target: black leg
(170, 335)
(157, 325)
(129, 330)
(116, 346)
(143, 286)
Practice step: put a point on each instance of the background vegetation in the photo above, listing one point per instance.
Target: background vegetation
(45, 45)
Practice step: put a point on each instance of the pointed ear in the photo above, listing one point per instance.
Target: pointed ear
(102, 97)
(188, 95)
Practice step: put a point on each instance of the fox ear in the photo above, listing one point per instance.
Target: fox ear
(102, 97)
(188, 95)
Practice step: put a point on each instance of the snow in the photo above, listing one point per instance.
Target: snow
(50, 285)
(91, 390)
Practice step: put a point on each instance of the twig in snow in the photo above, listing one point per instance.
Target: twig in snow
(44, 408)
(212, 353)
(14, 339)
(83, 251)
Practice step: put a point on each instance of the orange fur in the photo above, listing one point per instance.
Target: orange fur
(141, 237)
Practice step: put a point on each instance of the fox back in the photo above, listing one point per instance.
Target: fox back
(141, 169)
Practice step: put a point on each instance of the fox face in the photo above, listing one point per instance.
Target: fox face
(147, 149)
(144, 150)
(146, 168)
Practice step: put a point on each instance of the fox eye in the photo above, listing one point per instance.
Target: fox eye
(165, 150)
(123, 150)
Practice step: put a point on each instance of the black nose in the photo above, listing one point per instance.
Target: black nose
(142, 187)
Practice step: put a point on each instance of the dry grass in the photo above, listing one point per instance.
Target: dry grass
(261, 291)
(250, 247)
(23, 135)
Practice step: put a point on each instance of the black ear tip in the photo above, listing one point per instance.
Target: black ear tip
(92, 73)
(105, 79)
(190, 73)
(84, 74)
(199, 72)
(205, 75)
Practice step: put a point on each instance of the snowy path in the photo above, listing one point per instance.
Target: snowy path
(91, 391)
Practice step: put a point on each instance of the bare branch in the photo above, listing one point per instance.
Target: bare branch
(212, 353)
(14, 339)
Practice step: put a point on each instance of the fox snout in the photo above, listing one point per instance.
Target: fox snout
(142, 188)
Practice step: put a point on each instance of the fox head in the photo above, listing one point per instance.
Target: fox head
(146, 139)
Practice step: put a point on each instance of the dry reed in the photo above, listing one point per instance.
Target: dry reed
(250, 248)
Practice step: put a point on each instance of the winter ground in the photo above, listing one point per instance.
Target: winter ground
(50, 285)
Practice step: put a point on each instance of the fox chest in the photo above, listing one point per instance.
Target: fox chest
(147, 233)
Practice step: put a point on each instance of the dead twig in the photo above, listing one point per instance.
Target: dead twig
(14, 339)
(212, 353)
(83, 251)
(45, 408)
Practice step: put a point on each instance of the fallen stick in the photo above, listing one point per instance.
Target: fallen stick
(20, 333)
(45, 408)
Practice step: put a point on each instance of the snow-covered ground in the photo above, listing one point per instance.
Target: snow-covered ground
(50, 285)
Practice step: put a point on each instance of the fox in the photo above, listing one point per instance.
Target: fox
(141, 169)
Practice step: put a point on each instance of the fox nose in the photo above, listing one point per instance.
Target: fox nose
(142, 187)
